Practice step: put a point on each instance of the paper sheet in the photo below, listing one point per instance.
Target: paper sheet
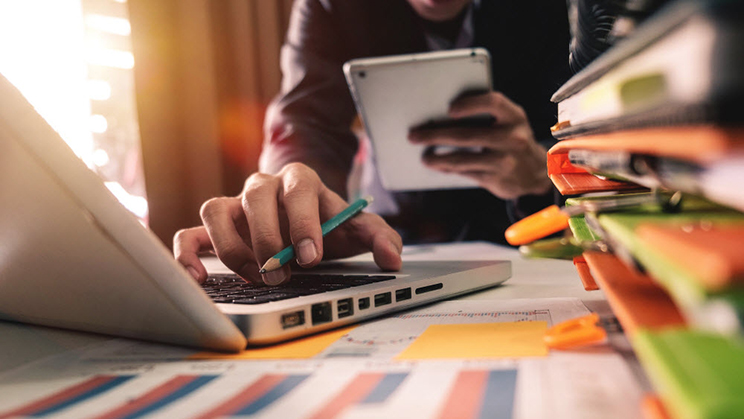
(586, 385)
(304, 348)
(484, 340)
(387, 338)
(161, 382)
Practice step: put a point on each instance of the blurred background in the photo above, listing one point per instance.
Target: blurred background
(164, 99)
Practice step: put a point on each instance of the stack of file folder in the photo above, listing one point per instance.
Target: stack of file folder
(652, 152)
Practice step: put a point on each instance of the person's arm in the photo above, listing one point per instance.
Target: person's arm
(310, 119)
(307, 125)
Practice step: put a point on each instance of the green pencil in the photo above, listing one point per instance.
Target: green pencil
(288, 253)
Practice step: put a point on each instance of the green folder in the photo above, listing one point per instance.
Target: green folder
(711, 310)
(580, 230)
(697, 375)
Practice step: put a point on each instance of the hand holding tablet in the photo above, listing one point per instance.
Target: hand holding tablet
(396, 94)
(435, 123)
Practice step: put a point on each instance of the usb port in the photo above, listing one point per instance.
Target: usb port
(345, 307)
(404, 294)
(383, 299)
(293, 319)
(364, 303)
(321, 313)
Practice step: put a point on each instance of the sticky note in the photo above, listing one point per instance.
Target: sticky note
(479, 340)
(302, 348)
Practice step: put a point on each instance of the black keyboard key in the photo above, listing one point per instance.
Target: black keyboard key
(223, 279)
(299, 292)
(222, 300)
(378, 278)
(249, 301)
(264, 298)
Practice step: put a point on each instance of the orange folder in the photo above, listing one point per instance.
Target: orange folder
(712, 253)
(571, 180)
(698, 143)
(635, 299)
(585, 274)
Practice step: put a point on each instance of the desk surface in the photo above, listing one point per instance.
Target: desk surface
(531, 279)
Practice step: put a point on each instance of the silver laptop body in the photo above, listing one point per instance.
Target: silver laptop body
(72, 257)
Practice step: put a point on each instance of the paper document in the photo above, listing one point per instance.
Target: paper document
(344, 379)
(486, 340)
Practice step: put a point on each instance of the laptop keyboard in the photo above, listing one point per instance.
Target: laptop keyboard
(230, 288)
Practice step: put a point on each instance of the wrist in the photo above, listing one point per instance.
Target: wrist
(541, 183)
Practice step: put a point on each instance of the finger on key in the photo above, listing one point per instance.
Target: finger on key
(218, 215)
(187, 244)
(259, 202)
(300, 198)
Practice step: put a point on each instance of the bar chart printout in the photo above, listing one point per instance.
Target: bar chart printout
(481, 394)
(250, 400)
(366, 388)
(159, 397)
(468, 394)
(70, 396)
(174, 389)
(257, 396)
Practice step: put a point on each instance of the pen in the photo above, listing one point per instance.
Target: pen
(287, 254)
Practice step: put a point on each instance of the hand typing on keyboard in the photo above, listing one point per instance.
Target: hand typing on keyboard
(230, 288)
(274, 211)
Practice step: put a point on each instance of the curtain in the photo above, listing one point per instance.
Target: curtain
(205, 70)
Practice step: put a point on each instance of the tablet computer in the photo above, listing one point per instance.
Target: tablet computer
(396, 93)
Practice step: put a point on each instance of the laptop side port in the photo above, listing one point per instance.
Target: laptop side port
(364, 303)
(404, 294)
(321, 313)
(429, 288)
(295, 318)
(383, 299)
(345, 307)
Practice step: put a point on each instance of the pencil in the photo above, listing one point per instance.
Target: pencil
(287, 254)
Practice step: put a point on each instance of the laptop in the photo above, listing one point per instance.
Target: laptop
(72, 257)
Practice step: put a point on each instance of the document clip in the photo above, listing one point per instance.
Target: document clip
(580, 331)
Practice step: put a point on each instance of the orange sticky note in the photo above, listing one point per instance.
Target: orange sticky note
(303, 348)
(479, 340)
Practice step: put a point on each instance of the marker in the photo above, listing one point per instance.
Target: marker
(288, 253)
(554, 219)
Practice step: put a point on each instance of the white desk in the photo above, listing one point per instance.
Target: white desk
(22, 344)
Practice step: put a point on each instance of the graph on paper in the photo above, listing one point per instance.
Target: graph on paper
(127, 379)
(468, 393)
(388, 337)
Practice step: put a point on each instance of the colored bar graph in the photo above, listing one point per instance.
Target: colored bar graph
(466, 395)
(385, 388)
(257, 396)
(68, 397)
(500, 391)
(481, 394)
(281, 389)
(159, 397)
(367, 388)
